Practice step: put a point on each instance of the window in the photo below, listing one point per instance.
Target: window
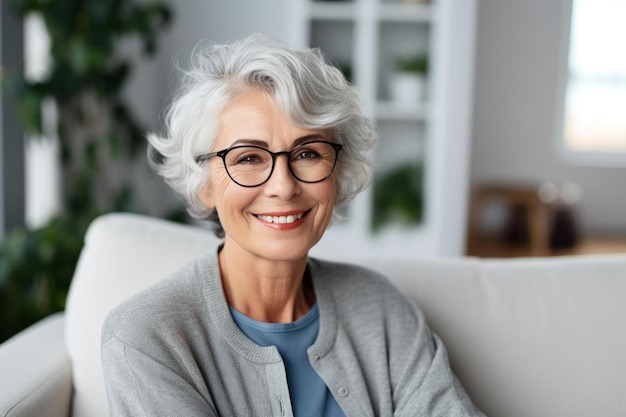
(594, 102)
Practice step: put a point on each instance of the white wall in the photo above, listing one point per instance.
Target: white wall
(516, 87)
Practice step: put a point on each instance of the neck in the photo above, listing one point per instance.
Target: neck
(265, 290)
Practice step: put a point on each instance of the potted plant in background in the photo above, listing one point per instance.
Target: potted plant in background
(409, 79)
(398, 196)
(98, 136)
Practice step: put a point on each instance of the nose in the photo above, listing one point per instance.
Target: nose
(282, 184)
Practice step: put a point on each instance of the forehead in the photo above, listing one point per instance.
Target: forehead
(255, 116)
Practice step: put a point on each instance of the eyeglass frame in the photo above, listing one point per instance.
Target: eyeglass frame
(222, 154)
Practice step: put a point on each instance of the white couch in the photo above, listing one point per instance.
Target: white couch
(527, 337)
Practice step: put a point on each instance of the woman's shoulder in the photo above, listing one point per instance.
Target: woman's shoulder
(364, 299)
(354, 280)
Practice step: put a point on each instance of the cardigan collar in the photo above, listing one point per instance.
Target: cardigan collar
(210, 281)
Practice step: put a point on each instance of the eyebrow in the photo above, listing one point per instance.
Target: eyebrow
(261, 143)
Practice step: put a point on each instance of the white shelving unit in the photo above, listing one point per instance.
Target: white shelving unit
(367, 36)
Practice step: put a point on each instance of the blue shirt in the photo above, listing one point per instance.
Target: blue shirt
(309, 394)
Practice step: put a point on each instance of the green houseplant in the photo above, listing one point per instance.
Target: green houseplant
(98, 137)
(398, 196)
(417, 63)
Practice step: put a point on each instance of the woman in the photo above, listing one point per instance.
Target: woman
(269, 142)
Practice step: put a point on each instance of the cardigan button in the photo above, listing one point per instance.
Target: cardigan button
(343, 391)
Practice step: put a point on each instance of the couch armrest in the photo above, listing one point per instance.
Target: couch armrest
(35, 371)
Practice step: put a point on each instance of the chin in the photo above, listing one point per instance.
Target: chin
(287, 252)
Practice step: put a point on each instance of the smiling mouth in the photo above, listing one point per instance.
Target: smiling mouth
(291, 218)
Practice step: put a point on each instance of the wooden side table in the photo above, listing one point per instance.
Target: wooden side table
(513, 196)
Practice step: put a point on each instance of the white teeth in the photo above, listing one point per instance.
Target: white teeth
(281, 219)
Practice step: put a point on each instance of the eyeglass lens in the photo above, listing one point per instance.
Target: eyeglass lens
(250, 165)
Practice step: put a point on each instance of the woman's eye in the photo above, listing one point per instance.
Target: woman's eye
(306, 154)
(250, 159)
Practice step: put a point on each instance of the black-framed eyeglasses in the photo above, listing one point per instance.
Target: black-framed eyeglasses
(252, 166)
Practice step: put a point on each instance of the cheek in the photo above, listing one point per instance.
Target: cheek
(229, 198)
(333, 188)
(328, 194)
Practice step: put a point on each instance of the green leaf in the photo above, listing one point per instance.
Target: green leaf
(398, 196)
(29, 109)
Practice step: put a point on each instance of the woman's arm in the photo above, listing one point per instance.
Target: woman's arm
(139, 385)
(429, 387)
(424, 382)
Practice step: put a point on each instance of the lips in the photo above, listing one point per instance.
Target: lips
(282, 219)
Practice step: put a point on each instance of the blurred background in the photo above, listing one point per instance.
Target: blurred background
(502, 124)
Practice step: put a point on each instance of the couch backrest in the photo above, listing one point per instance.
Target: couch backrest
(123, 254)
(531, 337)
(540, 337)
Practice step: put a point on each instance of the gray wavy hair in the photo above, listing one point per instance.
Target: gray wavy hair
(311, 92)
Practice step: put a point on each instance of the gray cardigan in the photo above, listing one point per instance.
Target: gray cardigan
(174, 349)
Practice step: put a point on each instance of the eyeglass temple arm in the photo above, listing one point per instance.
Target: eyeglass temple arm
(206, 156)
